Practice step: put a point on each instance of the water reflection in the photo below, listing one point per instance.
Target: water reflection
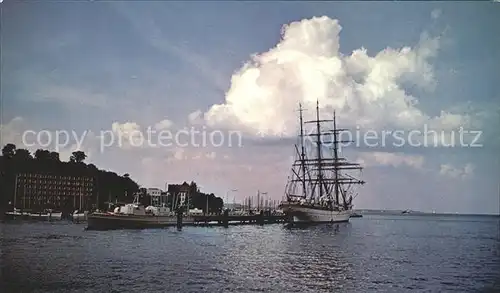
(366, 255)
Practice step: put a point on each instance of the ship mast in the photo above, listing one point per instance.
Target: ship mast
(302, 153)
(319, 163)
(322, 170)
(342, 164)
(318, 150)
(336, 159)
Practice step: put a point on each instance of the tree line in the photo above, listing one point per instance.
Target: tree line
(109, 187)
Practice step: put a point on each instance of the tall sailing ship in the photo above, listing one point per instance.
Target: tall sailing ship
(320, 188)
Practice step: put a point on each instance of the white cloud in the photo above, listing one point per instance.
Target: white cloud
(390, 159)
(125, 128)
(184, 153)
(195, 118)
(164, 124)
(306, 65)
(12, 131)
(449, 170)
(127, 135)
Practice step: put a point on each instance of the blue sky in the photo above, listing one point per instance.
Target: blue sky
(84, 66)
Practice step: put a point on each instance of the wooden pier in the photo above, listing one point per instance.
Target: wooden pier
(112, 222)
(226, 219)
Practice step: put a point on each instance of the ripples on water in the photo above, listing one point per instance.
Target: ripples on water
(370, 254)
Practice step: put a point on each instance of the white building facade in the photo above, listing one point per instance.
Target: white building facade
(156, 196)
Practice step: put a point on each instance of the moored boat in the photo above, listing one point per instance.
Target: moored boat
(303, 212)
(134, 216)
(319, 190)
(46, 215)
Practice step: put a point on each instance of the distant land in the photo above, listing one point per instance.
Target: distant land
(417, 213)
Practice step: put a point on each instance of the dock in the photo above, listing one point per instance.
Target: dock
(226, 220)
(107, 222)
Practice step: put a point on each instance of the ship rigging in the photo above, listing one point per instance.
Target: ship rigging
(320, 178)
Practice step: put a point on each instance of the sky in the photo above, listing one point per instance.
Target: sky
(105, 72)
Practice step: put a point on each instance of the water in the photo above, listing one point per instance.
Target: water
(369, 254)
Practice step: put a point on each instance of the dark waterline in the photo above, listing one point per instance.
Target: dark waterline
(369, 254)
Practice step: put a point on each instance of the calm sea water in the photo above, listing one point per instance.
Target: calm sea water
(370, 254)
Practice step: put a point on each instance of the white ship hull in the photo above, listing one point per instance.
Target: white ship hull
(305, 214)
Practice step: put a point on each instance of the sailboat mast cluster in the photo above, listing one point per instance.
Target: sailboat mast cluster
(321, 177)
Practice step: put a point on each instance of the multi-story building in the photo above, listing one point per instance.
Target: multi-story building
(155, 195)
(60, 192)
(153, 191)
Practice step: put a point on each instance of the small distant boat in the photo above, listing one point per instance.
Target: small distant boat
(356, 215)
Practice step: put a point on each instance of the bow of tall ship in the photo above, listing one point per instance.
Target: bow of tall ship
(320, 188)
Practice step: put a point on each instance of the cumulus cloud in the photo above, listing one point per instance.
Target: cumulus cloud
(306, 65)
(128, 134)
